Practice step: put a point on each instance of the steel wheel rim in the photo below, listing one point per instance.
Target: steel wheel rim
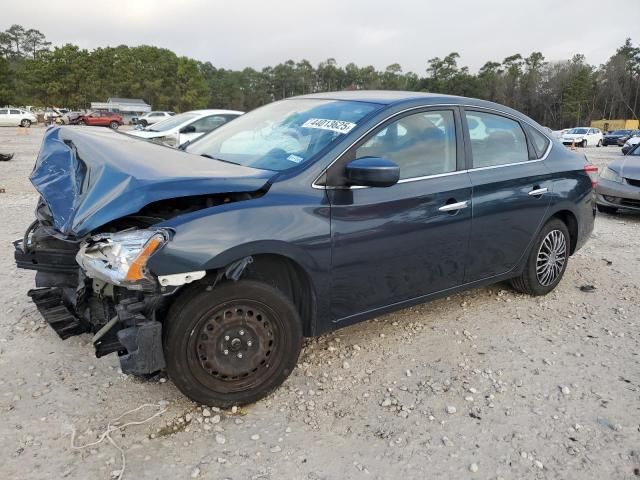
(551, 259)
(234, 347)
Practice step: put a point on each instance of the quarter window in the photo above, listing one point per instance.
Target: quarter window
(421, 144)
(15, 112)
(539, 141)
(495, 140)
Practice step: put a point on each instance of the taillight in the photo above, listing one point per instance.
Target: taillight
(592, 171)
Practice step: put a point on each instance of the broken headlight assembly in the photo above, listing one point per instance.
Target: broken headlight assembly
(121, 258)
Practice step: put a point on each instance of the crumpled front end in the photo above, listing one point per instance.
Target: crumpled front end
(76, 300)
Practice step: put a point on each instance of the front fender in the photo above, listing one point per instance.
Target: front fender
(296, 227)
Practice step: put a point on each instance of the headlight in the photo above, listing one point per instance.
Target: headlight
(121, 258)
(610, 175)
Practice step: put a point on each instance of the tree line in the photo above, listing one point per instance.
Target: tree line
(557, 94)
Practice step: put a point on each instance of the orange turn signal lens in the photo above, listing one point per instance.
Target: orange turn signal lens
(136, 270)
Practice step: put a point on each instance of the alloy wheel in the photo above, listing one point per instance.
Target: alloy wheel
(552, 256)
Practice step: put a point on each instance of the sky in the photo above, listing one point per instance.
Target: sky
(240, 33)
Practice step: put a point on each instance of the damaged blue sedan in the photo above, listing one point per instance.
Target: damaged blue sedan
(293, 220)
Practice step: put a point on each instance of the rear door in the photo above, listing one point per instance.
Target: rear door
(15, 116)
(393, 244)
(511, 187)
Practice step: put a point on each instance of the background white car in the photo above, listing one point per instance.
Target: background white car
(185, 127)
(153, 117)
(583, 137)
(13, 117)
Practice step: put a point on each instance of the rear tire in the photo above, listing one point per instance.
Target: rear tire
(231, 345)
(547, 260)
(81, 122)
(114, 125)
(606, 209)
(26, 123)
(583, 144)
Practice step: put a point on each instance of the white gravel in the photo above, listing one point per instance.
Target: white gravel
(554, 382)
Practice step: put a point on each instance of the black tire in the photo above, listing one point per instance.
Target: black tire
(114, 125)
(599, 143)
(529, 281)
(26, 123)
(143, 123)
(231, 345)
(583, 144)
(81, 122)
(606, 209)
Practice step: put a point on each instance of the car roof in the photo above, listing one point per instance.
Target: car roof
(397, 97)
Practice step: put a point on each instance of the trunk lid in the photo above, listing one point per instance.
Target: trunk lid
(89, 176)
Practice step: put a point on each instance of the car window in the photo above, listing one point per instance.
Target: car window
(421, 144)
(15, 112)
(171, 122)
(4, 111)
(495, 140)
(207, 124)
(540, 142)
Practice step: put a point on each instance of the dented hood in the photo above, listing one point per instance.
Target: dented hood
(90, 176)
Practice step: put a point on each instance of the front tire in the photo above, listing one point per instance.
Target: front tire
(82, 122)
(599, 143)
(144, 123)
(583, 144)
(547, 260)
(231, 345)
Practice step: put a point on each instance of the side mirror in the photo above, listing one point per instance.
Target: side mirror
(372, 172)
(188, 129)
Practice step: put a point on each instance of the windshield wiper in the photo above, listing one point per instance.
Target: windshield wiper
(206, 155)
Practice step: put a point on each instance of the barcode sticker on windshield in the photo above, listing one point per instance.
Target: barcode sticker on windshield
(339, 126)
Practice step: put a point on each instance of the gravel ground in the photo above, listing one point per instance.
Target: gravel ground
(486, 384)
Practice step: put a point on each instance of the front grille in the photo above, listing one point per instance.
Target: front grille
(629, 202)
(633, 181)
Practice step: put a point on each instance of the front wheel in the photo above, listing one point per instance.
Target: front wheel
(26, 123)
(114, 125)
(231, 345)
(599, 143)
(547, 261)
(82, 122)
(583, 144)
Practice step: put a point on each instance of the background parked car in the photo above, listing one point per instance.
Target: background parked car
(618, 137)
(185, 127)
(619, 184)
(152, 117)
(71, 118)
(13, 117)
(630, 144)
(583, 137)
(101, 119)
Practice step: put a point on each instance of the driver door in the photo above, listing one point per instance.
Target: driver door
(390, 245)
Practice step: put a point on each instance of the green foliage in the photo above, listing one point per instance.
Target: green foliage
(558, 94)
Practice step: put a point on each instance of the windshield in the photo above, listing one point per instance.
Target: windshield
(577, 130)
(282, 134)
(171, 122)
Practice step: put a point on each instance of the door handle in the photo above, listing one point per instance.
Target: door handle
(537, 192)
(452, 207)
